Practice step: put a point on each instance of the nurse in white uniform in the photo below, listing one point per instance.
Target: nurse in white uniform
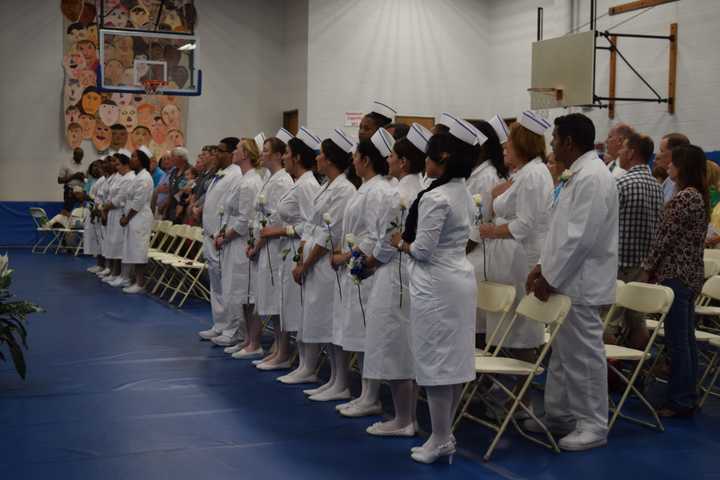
(115, 235)
(215, 217)
(91, 234)
(138, 219)
(579, 259)
(321, 236)
(267, 250)
(489, 171)
(442, 283)
(522, 216)
(294, 209)
(238, 273)
(388, 355)
(111, 177)
(370, 164)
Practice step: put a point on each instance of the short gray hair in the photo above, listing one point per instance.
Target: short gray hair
(181, 152)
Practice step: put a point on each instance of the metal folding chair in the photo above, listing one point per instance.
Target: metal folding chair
(552, 314)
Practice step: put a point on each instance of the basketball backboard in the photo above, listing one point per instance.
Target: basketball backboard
(128, 58)
(563, 68)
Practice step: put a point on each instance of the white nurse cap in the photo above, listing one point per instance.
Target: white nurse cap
(146, 151)
(419, 136)
(534, 123)
(308, 138)
(500, 127)
(260, 141)
(383, 109)
(342, 140)
(467, 132)
(383, 141)
(283, 135)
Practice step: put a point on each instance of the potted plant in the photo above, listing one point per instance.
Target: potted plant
(13, 334)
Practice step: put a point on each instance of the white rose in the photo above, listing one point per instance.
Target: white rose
(565, 176)
(327, 218)
(262, 200)
(221, 210)
(350, 239)
(477, 198)
(290, 231)
(403, 204)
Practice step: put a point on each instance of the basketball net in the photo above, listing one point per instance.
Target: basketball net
(152, 87)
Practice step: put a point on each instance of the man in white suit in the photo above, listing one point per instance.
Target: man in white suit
(579, 259)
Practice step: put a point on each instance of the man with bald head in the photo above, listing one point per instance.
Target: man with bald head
(615, 139)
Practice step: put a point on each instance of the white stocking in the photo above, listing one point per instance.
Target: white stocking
(440, 403)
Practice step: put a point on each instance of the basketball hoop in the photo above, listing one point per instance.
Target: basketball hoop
(152, 87)
(543, 99)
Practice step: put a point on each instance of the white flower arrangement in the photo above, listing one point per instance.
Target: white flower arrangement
(221, 173)
(262, 200)
(350, 241)
(477, 199)
(566, 175)
(327, 218)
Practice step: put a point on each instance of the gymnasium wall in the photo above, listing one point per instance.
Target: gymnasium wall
(422, 57)
(513, 28)
(253, 56)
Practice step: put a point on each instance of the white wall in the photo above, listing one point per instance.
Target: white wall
(420, 56)
(31, 83)
(253, 54)
(513, 28)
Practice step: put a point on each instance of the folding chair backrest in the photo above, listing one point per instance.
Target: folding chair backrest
(645, 298)
(712, 254)
(39, 216)
(495, 297)
(711, 288)
(552, 312)
(712, 267)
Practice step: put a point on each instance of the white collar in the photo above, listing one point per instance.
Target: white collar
(583, 160)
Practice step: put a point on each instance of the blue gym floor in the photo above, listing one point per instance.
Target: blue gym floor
(119, 387)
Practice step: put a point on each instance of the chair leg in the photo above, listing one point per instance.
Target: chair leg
(711, 385)
(630, 387)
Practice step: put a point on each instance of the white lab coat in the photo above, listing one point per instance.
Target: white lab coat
(91, 234)
(269, 258)
(388, 355)
(481, 182)
(104, 193)
(239, 274)
(294, 210)
(320, 279)
(525, 208)
(137, 231)
(214, 217)
(442, 288)
(115, 234)
(361, 213)
(580, 259)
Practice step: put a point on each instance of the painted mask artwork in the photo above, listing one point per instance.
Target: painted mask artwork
(171, 116)
(74, 135)
(128, 117)
(140, 136)
(72, 115)
(122, 99)
(117, 16)
(146, 112)
(175, 138)
(159, 131)
(101, 138)
(139, 16)
(109, 112)
(91, 108)
(74, 63)
(91, 100)
(87, 78)
(87, 122)
(73, 92)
